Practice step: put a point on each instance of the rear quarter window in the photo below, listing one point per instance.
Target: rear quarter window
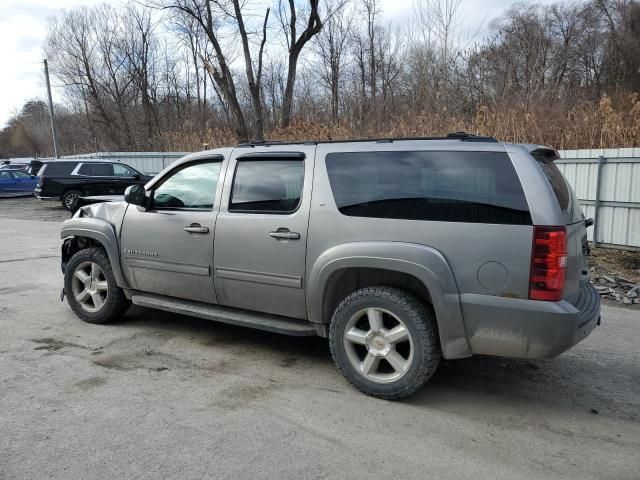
(474, 187)
(569, 204)
(55, 169)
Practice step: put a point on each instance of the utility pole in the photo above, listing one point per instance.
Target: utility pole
(53, 123)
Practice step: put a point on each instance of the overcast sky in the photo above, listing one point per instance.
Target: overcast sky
(23, 26)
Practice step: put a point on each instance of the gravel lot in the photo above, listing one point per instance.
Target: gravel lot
(30, 208)
(165, 396)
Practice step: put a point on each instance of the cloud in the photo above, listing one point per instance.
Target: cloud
(24, 28)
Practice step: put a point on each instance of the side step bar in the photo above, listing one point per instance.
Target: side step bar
(244, 318)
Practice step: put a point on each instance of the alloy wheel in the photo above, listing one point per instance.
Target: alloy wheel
(68, 200)
(89, 286)
(378, 345)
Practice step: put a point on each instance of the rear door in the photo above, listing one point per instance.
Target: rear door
(261, 232)
(103, 181)
(7, 183)
(24, 182)
(577, 272)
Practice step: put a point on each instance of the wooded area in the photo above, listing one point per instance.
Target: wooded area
(177, 74)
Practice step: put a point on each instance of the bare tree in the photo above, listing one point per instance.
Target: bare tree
(295, 44)
(255, 80)
(331, 47)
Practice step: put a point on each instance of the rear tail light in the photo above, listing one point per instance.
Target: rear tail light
(548, 263)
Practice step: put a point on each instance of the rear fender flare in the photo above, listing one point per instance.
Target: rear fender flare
(424, 263)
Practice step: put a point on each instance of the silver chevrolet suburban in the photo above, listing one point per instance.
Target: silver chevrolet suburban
(400, 252)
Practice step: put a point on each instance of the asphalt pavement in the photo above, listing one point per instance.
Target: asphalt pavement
(159, 395)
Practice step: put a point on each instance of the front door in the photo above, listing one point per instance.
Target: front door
(168, 248)
(261, 232)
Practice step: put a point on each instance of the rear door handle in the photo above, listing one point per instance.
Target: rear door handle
(196, 228)
(284, 234)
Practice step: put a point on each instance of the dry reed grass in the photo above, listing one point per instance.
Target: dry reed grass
(611, 122)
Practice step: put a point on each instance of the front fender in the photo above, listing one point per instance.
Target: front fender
(102, 232)
(424, 263)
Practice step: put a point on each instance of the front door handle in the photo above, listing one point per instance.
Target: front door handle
(196, 228)
(284, 234)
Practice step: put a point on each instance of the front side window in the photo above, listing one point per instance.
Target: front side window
(85, 169)
(123, 171)
(475, 187)
(267, 186)
(19, 174)
(191, 186)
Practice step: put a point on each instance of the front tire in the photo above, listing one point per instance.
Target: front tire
(91, 289)
(385, 342)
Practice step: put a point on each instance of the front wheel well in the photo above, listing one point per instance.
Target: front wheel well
(343, 282)
(72, 245)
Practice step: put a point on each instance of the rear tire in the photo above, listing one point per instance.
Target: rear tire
(91, 289)
(385, 342)
(68, 197)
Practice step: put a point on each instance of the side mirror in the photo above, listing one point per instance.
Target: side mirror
(135, 195)
(136, 176)
(588, 222)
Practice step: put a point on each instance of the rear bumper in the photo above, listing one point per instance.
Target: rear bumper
(527, 328)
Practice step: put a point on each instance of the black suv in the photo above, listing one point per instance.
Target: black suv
(66, 180)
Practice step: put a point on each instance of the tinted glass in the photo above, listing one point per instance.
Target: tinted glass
(476, 187)
(123, 171)
(267, 186)
(19, 174)
(85, 169)
(61, 169)
(5, 175)
(101, 170)
(571, 209)
(193, 186)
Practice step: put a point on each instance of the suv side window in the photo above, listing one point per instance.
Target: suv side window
(101, 170)
(57, 168)
(191, 186)
(267, 186)
(123, 171)
(85, 169)
(449, 186)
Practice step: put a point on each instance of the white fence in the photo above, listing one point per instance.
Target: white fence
(607, 183)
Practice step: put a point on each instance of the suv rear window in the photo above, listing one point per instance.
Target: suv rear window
(567, 200)
(475, 187)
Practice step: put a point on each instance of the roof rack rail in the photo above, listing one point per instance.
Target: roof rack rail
(462, 136)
